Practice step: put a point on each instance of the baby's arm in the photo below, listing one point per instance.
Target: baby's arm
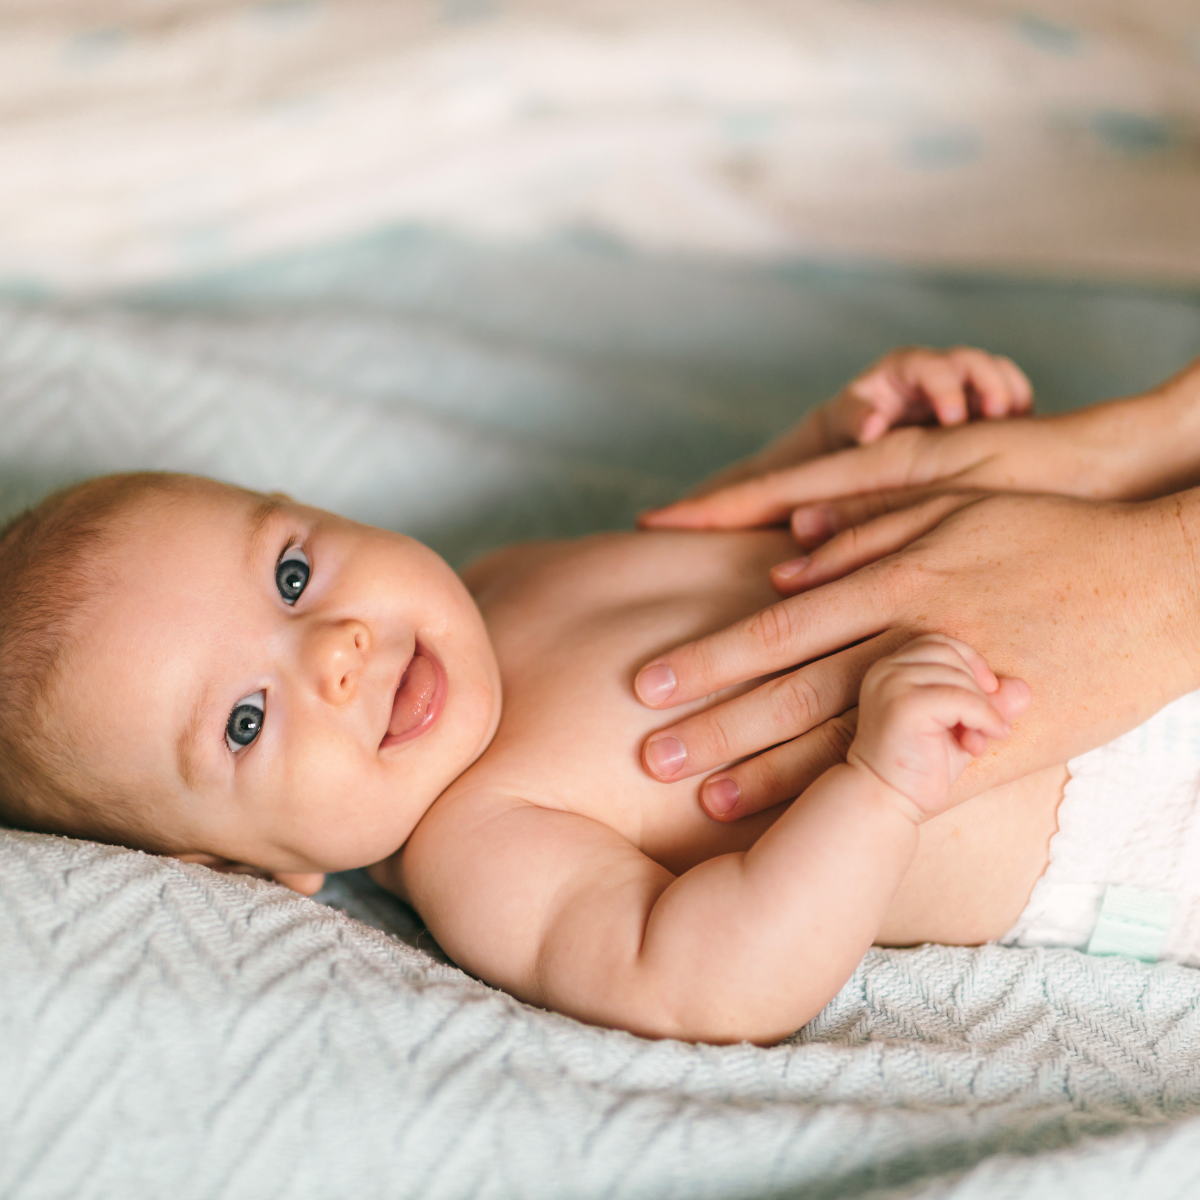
(914, 385)
(564, 912)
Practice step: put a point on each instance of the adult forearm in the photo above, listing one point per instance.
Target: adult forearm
(1146, 445)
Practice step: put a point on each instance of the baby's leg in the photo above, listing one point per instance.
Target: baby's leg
(976, 865)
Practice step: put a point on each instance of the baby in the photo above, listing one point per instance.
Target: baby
(239, 680)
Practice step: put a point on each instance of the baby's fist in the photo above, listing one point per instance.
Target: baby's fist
(916, 385)
(925, 712)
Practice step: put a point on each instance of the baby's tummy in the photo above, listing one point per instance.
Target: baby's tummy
(977, 864)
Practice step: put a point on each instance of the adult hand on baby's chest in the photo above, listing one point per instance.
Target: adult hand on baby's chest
(1093, 604)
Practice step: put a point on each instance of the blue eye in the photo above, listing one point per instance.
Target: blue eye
(245, 721)
(291, 574)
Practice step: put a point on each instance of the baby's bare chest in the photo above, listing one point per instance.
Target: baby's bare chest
(570, 635)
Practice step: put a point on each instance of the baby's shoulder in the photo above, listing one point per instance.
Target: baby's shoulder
(452, 825)
(485, 570)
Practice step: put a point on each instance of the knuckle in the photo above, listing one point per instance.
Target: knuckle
(798, 704)
(772, 629)
(898, 581)
(838, 734)
(713, 740)
(904, 445)
(700, 668)
(772, 779)
(849, 543)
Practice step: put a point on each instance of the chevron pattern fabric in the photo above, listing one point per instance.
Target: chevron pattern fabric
(165, 1031)
(170, 1032)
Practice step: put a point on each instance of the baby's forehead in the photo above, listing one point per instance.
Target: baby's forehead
(213, 519)
(165, 568)
(173, 599)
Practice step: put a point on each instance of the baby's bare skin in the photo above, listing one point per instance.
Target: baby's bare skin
(571, 622)
(314, 695)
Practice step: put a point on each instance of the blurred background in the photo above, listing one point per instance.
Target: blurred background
(486, 269)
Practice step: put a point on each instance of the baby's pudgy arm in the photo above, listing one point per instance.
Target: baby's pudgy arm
(564, 912)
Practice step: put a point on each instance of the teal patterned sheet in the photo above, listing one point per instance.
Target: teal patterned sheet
(168, 1031)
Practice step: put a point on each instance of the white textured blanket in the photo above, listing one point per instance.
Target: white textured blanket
(165, 1031)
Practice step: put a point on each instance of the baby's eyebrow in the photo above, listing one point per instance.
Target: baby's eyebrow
(186, 749)
(260, 524)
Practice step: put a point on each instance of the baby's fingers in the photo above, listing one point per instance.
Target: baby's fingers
(971, 740)
(1020, 390)
(961, 710)
(1012, 697)
(941, 650)
(940, 381)
(986, 383)
(865, 418)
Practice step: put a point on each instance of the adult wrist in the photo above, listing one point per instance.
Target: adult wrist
(1154, 439)
(1170, 578)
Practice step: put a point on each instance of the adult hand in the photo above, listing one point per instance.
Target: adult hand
(1135, 448)
(1095, 604)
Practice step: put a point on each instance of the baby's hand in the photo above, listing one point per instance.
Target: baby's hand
(916, 386)
(925, 712)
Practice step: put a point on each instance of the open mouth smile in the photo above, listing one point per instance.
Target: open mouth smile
(419, 698)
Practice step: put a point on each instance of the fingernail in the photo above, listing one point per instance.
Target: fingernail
(875, 426)
(655, 683)
(812, 522)
(721, 796)
(789, 570)
(665, 755)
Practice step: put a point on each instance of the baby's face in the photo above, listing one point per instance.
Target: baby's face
(276, 685)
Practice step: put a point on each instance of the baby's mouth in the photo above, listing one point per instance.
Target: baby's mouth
(419, 698)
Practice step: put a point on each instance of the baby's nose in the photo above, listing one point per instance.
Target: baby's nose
(336, 652)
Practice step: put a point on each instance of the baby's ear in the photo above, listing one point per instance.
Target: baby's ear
(216, 863)
(305, 884)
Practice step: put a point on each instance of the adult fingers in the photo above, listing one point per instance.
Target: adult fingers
(866, 543)
(768, 499)
(773, 712)
(777, 637)
(780, 774)
(813, 524)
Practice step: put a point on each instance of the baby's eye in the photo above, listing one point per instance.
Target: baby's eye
(291, 574)
(245, 722)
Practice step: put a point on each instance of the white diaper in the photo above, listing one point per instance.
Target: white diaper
(1124, 873)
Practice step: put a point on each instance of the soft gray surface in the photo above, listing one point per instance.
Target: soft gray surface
(174, 1033)
(166, 1031)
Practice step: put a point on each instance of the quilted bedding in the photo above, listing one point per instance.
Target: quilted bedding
(167, 1031)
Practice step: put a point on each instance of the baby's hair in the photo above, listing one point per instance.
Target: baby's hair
(51, 566)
